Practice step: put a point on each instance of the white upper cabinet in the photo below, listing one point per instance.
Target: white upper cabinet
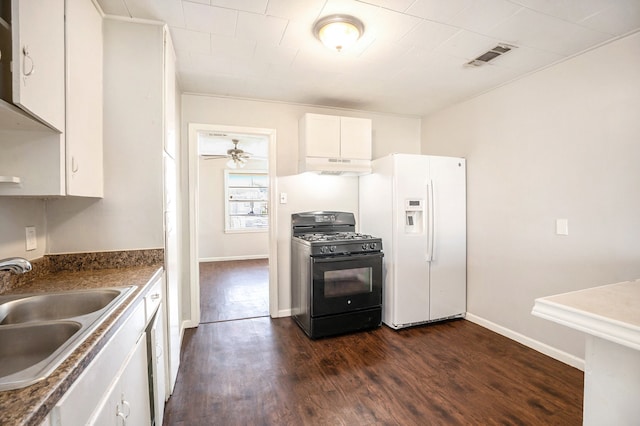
(65, 156)
(320, 135)
(334, 144)
(355, 137)
(37, 30)
(84, 82)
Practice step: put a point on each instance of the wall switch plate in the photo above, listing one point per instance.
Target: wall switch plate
(283, 198)
(32, 241)
(562, 227)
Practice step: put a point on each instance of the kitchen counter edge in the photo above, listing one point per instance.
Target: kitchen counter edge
(32, 404)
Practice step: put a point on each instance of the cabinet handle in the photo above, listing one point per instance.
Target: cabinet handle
(25, 53)
(123, 410)
(122, 416)
(158, 351)
(155, 296)
(74, 165)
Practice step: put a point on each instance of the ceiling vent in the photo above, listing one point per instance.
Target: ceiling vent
(490, 55)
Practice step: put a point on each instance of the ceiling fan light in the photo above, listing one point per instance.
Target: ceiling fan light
(338, 32)
(236, 162)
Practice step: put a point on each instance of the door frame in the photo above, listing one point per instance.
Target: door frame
(194, 175)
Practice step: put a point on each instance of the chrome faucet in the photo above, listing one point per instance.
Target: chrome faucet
(17, 265)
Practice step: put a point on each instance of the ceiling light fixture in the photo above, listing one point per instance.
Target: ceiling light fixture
(338, 32)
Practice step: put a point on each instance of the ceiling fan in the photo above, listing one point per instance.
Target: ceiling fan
(237, 157)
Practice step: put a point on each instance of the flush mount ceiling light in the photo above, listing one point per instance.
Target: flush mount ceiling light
(338, 32)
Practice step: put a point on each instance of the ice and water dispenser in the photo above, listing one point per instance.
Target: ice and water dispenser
(414, 216)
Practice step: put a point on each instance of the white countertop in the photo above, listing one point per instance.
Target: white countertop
(611, 312)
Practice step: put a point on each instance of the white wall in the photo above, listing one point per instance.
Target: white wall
(15, 215)
(391, 133)
(561, 143)
(130, 214)
(214, 243)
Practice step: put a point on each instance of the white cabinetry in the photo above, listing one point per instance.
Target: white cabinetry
(64, 158)
(38, 59)
(334, 144)
(97, 381)
(84, 158)
(127, 400)
(115, 388)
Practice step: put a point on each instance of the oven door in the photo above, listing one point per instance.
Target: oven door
(346, 283)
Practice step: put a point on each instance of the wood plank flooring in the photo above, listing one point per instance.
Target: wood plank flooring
(234, 290)
(264, 371)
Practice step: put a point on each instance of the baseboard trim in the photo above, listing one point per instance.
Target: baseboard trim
(554, 353)
(226, 258)
(284, 313)
(189, 324)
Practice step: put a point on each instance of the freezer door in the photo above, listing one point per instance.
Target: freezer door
(448, 277)
(410, 284)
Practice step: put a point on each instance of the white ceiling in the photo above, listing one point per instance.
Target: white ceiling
(409, 61)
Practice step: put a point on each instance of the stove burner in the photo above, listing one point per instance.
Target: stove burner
(335, 236)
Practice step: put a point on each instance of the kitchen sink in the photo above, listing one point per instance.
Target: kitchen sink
(24, 347)
(44, 307)
(39, 331)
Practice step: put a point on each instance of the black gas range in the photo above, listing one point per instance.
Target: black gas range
(336, 274)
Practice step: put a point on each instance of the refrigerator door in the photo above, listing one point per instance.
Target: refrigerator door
(448, 287)
(411, 268)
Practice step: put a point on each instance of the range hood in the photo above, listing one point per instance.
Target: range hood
(335, 166)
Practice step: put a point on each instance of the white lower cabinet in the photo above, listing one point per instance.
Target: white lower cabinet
(115, 389)
(127, 400)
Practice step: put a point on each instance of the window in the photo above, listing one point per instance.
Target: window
(246, 198)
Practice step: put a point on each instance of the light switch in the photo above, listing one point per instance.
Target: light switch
(283, 198)
(562, 227)
(32, 241)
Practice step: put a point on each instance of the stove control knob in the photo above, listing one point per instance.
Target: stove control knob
(372, 246)
(324, 249)
(332, 249)
(365, 246)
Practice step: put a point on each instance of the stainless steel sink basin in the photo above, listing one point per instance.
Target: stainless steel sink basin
(24, 347)
(44, 307)
(39, 331)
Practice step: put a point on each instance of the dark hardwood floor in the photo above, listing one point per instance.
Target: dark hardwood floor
(263, 371)
(234, 290)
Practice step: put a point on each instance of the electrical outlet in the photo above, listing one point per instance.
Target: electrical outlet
(283, 198)
(32, 241)
(562, 227)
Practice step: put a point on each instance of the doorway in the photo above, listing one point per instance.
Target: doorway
(232, 222)
(234, 289)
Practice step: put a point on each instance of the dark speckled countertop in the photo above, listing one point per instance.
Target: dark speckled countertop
(31, 405)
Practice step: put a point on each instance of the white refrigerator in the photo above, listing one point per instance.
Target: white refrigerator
(417, 205)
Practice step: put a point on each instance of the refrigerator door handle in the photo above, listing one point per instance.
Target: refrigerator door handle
(430, 221)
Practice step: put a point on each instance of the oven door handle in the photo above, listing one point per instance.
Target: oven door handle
(347, 257)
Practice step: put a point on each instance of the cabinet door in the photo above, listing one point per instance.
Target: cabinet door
(321, 135)
(127, 401)
(355, 138)
(38, 59)
(84, 159)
